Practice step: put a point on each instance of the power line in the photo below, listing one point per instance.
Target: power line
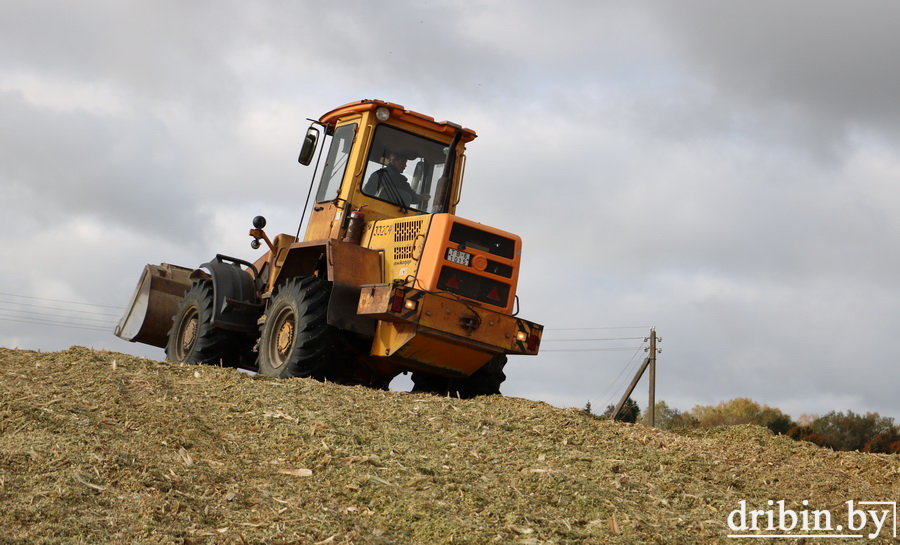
(28, 314)
(623, 349)
(617, 383)
(57, 315)
(56, 308)
(598, 339)
(30, 317)
(60, 301)
(572, 345)
(56, 324)
(597, 328)
(574, 348)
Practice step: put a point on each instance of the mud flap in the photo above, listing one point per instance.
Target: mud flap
(236, 306)
(148, 317)
(342, 310)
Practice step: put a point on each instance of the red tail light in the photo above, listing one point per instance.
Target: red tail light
(397, 300)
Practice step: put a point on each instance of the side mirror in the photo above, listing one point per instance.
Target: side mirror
(309, 146)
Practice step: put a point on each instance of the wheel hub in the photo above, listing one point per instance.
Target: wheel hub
(189, 334)
(285, 339)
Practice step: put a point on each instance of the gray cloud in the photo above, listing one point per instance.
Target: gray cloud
(75, 164)
(818, 70)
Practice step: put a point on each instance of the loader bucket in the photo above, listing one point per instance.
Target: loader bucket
(148, 318)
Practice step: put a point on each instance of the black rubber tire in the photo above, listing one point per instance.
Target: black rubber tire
(484, 381)
(427, 383)
(193, 338)
(296, 340)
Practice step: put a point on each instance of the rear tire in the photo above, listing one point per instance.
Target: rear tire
(484, 381)
(296, 340)
(193, 338)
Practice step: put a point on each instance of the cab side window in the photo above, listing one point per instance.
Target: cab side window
(336, 163)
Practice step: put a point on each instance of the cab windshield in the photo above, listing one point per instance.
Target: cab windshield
(405, 169)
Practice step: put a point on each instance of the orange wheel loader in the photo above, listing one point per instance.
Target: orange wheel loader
(386, 280)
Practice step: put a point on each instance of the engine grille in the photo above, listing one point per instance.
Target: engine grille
(406, 231)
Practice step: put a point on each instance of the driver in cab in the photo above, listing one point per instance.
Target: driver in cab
(390, 184)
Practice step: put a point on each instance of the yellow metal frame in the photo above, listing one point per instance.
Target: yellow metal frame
(430, 330)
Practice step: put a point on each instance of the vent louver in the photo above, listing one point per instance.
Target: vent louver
(406, 231)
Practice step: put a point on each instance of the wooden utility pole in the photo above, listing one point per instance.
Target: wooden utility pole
(649, 361)
(651, 399)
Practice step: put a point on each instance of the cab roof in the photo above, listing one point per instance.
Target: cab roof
(397, 112)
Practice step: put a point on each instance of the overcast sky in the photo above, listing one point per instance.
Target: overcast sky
(728, 172)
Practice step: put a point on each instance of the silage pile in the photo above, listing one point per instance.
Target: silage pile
(100, 447)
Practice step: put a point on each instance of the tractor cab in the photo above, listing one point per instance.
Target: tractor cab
(384, 159)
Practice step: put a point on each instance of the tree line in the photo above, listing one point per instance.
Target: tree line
(837, 430)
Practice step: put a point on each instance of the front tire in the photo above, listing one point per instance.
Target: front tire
(193, 338)
(296, 340)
